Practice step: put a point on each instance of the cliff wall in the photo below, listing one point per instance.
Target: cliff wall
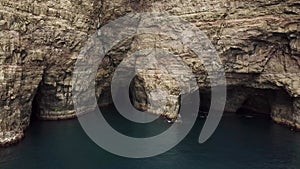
(257, 41)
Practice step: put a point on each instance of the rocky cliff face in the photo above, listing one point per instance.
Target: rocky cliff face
(258, 42)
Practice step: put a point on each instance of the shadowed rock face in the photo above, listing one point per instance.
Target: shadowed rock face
(257, 41)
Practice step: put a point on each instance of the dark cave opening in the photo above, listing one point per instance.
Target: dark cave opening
(35, 108)
(255, 105)
(205, 102)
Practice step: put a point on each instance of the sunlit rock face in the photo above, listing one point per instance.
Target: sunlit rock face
(257, 41)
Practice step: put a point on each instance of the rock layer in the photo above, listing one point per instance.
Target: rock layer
(257, 41)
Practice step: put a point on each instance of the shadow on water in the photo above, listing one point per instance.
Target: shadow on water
(239, 143)
(132, 129)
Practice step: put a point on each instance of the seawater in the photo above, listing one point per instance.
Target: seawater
(238, 143)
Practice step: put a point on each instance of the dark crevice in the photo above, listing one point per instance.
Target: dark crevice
(290, 12)
(205, 103)
(35, 108)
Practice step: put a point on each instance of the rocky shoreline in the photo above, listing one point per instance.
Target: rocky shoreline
(7, 139)
(55, 116)
(292, 125)
(258, 43)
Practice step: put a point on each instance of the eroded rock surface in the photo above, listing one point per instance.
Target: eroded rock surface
(257, 41)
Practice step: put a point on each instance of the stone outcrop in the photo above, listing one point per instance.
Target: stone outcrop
(40, 41)
(257, 41)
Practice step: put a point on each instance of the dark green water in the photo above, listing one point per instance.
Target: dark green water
(239, 143)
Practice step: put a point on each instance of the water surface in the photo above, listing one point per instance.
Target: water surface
(239, 143)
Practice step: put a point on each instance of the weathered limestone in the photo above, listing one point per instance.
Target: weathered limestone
(282, 103)
(40, 41)
(258, 43)
(296, 112)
